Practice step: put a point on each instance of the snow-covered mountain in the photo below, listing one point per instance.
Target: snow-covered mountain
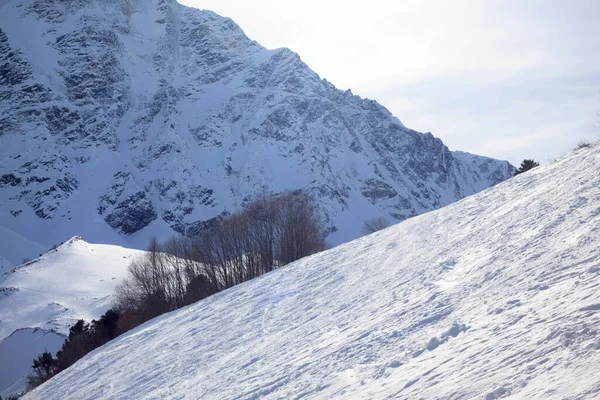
(124, 119)
(41, 300)
(495, 296)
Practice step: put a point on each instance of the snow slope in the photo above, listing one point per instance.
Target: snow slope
(126, 119)
(41, 300)
(495, 296)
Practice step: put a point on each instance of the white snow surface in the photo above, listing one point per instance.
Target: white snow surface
(41, 300)
(495, 296)
(73, 282)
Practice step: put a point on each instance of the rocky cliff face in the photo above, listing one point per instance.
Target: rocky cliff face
(123, 118)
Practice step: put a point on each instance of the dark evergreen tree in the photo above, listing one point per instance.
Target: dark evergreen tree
(526, 165)
(105, 329)
(44, 367)
(82, 339)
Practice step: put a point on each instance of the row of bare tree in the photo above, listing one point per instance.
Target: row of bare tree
(272, 231)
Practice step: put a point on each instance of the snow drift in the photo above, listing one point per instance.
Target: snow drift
(497, 295)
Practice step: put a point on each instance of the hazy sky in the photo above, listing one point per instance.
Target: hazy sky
(508, 79)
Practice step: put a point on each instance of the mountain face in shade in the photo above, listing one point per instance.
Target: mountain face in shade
(125, 119)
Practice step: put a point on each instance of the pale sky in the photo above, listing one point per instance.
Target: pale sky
(510, 79)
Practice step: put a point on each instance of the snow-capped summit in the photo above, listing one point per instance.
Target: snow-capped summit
(125, 119)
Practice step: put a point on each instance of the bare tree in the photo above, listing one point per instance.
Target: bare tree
(298, 227)
(149, 288)
(262, 215)
(176, 271)
(374, 224)
(274, 230)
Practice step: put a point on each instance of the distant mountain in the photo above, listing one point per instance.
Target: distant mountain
(124, 119)
(495, 296)
(41, 300)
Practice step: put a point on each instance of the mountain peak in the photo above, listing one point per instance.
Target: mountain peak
(128, 119)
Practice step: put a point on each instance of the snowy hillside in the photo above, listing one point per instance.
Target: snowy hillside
(40, 301)
(126, 119)
(495, 296)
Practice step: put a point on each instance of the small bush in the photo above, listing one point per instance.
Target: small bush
(198, 288)
(526, 165)
(583, 144)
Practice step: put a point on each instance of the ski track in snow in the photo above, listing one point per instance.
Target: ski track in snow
(496, 296)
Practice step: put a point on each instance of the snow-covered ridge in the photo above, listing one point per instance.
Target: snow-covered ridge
(125, 119)
(495, 296)
(42, 299)
(74, 281)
